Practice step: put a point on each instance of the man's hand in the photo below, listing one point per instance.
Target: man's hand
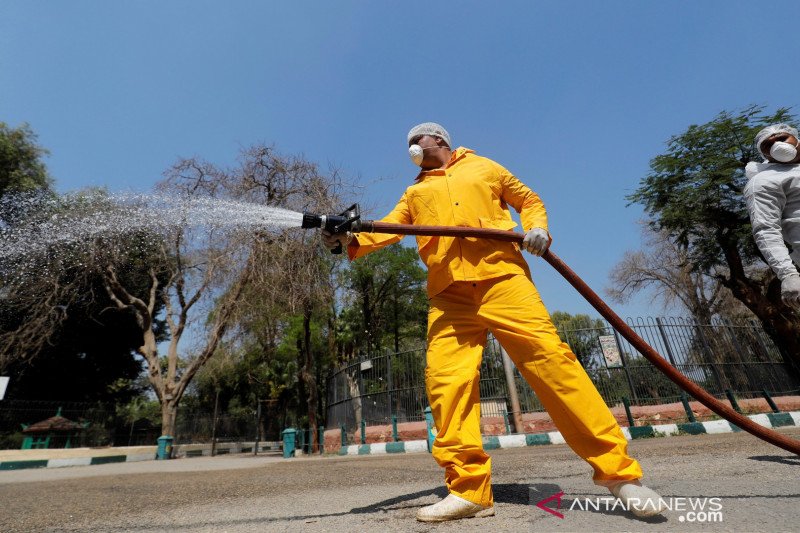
(790, 290)
(536, 241)
(331, 241)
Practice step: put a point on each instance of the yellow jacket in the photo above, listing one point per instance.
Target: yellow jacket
(470, 191)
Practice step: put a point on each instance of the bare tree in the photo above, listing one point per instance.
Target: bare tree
(209, 271)
(34, 314)
(664, 268)
(201, 283)
(47, 278)
(288, 274)
(300, 278)
(190, 275)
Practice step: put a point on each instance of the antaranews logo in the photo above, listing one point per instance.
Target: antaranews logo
(693, 510)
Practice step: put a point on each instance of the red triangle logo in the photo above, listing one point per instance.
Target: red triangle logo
(557, 497)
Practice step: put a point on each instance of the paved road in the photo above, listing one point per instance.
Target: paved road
(755, 487)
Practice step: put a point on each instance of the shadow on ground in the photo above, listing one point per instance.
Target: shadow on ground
(793, 460)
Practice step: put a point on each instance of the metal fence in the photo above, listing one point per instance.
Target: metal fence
(103, 427)
(377, 389)
(718, 356)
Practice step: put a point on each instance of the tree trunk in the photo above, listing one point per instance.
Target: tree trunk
(785, 333)
(307, 374)
(366, 313)
(355, 397)
(396, 321)
(779, 322)
(169, 413)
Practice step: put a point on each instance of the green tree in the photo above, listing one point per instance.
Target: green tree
(387, 299)
(244, 375)
(581, 332)
(21, 165)
(693, 194)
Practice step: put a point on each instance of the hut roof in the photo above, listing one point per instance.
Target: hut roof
(54, 423)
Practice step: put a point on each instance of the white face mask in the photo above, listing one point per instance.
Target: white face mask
(415, 151)
(783, 152)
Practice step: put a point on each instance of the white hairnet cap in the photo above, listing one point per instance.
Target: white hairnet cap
(430, 128)
(771, 130)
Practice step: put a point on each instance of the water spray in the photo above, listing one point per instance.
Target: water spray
(351, 220)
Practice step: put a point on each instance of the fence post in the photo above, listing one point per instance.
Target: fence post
(389, 384)
(214, 426)
(732, 399)
(709, 354)
(627, 403)
(732, 332)
(689, 413)
(258, 426)
(511, 385)
(666, 342)
(770, 401)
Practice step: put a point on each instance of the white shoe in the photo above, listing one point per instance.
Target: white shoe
(638, 499)
(453, 508)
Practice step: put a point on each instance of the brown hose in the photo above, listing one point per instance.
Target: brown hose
(616, 322)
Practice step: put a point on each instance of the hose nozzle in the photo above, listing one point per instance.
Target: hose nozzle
(348, 220)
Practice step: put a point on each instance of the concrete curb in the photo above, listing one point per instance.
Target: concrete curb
(89, 456)
(494, 442)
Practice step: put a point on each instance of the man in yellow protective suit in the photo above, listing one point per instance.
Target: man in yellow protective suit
(481, 285)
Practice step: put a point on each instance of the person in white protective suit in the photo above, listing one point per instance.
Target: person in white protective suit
(772, 194)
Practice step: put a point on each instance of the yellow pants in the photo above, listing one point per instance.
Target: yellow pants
(510, 307)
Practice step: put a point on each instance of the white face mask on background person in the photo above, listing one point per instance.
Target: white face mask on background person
(783, 152)
(416, 153)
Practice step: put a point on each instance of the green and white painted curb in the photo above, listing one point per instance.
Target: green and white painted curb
(75, 461)
(180, 451)
(494, 442)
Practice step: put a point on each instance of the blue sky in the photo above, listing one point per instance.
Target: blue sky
(574, 97)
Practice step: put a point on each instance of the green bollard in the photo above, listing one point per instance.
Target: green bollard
(321, 435)
(429, 425)
(395, 435)
(627, 403)
(770, 401)
(505, 421)
(164, 450)
(289, 440)
(363, 431)
(344, 436)
(689, 413)
(732, 399)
